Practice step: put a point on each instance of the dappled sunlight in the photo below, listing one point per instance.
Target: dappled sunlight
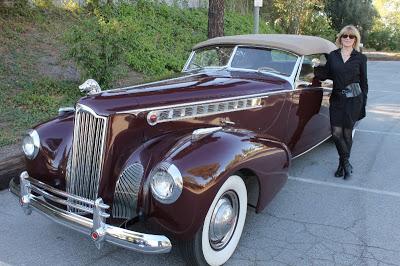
(71, 5)
(391, 110)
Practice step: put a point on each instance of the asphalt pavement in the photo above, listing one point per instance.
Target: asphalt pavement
(316, 219)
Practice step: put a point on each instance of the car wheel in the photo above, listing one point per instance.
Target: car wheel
(217, 239)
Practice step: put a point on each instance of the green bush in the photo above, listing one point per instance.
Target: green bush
(384, 39)
(154, 39)
(96, 45)
(319, 25)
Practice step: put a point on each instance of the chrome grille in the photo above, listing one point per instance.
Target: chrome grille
(126, 192)
(87, 154)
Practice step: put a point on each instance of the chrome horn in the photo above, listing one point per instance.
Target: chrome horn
(90, 86)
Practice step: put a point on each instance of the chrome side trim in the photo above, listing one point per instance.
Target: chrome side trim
(96, 227)
(200, 110)
(261, 95)
(304, 152)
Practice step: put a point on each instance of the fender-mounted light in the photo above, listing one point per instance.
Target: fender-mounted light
(31, 144)
(166, 183)
(153, 118)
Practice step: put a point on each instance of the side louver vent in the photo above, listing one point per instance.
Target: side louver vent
(198, 110)
(126, 192)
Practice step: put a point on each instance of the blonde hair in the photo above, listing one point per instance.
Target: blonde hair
(351, 30)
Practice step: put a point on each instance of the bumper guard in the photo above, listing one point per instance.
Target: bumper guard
(99, 231)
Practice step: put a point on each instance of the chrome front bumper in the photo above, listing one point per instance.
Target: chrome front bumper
(99, 231)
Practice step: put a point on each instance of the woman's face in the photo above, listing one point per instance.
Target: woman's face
(348, 39)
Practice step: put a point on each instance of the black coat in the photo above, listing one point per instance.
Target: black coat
(354, 70)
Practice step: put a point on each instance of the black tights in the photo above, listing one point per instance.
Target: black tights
(343, 140)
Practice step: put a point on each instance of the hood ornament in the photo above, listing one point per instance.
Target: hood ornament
(90, 86)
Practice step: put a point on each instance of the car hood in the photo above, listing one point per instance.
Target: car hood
(187, 87)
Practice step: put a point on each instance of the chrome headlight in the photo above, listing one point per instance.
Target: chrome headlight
(31, 144)
(166, 183)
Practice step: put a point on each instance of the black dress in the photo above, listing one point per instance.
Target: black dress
(344, 112)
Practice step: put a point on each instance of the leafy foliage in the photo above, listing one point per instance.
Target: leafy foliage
(291, 15)
(360, 13)
(384, 39)
(318, 24)
(96, 45)
(385, 34)
(154, 39)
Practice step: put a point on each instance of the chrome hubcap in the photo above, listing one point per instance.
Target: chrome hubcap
(223, 220)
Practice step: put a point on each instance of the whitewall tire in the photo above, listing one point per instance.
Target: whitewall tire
(219, 236)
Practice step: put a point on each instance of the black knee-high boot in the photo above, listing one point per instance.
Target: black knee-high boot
(339, 171)
(348, 138)
(343, 151)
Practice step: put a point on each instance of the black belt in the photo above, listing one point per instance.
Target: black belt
(351, 90)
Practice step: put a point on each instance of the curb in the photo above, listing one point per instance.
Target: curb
(10, 167)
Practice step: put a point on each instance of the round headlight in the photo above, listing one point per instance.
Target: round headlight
(166, 183)
(31, 144)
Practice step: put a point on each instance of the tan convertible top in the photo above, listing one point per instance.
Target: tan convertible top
(298, 44)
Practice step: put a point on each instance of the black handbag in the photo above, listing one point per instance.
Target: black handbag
(352, 90)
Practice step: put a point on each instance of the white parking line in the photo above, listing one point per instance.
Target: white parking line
(378, 132)
(331, 184)
(384, 91)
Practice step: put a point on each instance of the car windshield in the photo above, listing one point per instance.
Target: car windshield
(217, 56)
(264, 60)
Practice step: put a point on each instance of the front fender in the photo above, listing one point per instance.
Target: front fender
(205, 164)
(55, 145)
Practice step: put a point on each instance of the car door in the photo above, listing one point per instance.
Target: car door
(308, 122)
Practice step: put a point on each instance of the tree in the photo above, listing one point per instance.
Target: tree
(385, 34)
(215, 18)
(389, 13)
(360, 13)
(292, 14)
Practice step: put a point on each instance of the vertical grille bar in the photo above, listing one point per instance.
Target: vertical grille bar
(84, 171)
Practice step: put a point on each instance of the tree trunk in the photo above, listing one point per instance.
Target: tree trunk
(215, 18)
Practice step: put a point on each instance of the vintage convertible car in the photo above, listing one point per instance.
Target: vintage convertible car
(182, 158)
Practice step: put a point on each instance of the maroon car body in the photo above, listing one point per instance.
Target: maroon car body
(258, 120)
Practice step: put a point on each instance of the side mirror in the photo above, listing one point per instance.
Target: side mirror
(90, 86)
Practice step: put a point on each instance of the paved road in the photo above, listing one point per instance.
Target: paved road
(315, 220)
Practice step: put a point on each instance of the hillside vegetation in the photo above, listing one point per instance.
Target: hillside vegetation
(46, 52)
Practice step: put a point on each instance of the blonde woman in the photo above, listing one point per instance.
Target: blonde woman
(347, 67)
